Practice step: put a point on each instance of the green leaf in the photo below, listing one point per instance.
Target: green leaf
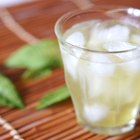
(8, 93)
(44, 53)
(33, 74)
(53, 97)
(5, 102)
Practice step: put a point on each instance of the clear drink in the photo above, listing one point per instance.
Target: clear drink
(102, 70)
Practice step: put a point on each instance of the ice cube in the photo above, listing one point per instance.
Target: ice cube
(101, 34)
(88, 70)
(98, 57)
(105, 68)
(82, 75)
(117, 33)
(135, 39)
(76, 38)
(116, 46)
(131, 67)
(99, 87)
(102, 69)
(95, 112)
(96, 84)
(70, 63)
(92, 77)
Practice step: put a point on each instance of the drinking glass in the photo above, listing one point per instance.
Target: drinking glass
(104, 84)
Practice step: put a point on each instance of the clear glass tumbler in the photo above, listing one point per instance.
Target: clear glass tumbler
(101, 54)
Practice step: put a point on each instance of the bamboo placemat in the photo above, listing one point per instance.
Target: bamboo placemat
(57, 122)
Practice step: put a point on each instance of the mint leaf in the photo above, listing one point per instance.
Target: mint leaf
(8, 93)
(53, 97)
(5, 102)
(34, 74)
(44, 53)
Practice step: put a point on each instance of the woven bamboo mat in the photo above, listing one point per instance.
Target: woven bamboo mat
(57, 122)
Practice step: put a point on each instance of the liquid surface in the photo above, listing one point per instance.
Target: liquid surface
(104, 87)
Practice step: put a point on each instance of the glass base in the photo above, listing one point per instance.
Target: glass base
(112, 131)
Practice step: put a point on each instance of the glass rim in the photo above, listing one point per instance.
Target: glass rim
(70, 14)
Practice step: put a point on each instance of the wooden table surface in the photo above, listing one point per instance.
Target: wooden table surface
(57, 122)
